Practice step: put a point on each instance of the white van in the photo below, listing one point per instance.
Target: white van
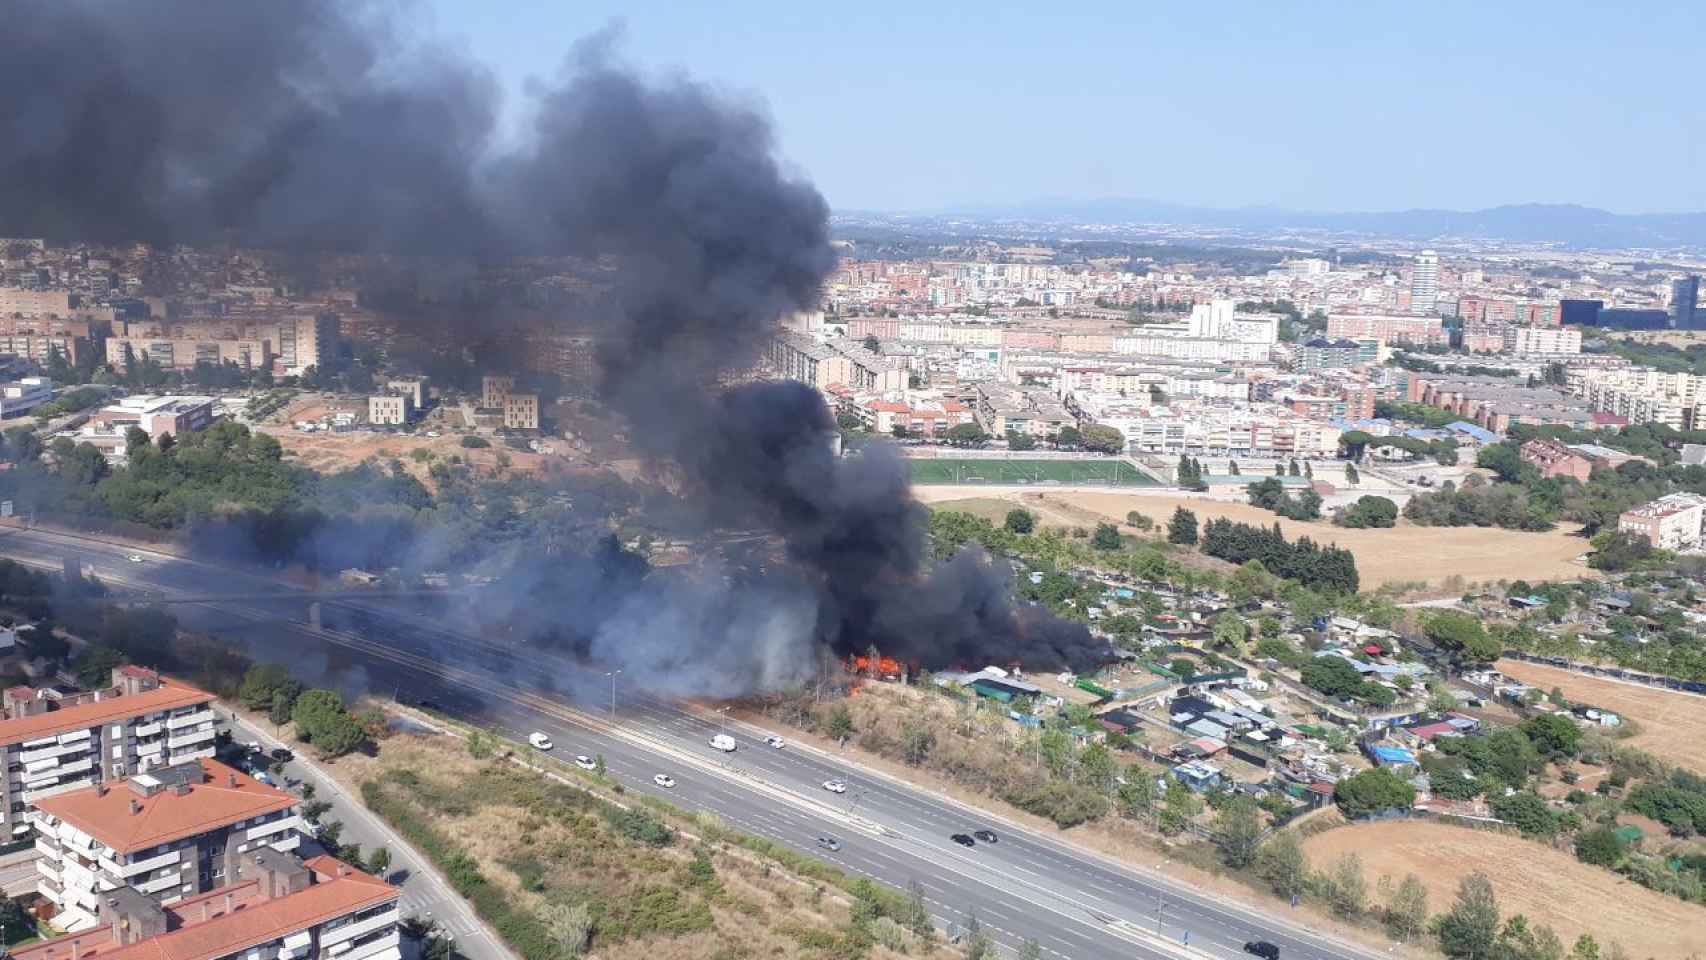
(723, 742)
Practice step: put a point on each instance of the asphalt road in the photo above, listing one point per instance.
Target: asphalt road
(1075, 902)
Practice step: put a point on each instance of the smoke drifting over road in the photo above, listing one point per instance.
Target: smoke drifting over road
(320, 126)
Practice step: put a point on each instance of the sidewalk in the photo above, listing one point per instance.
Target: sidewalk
(425, 892)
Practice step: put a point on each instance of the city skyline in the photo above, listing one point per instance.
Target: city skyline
(913, 109)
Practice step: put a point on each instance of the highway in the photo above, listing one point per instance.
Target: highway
(1076, 903)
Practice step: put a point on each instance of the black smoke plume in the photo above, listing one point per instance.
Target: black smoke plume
(322, 126)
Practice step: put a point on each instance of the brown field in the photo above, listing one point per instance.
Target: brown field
(331, 452)
(1672, 725)
(1403, 554)
(1545, 885)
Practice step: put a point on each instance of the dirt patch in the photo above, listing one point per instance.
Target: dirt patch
(1545, 885)
(1402, 554)
(1672, 725)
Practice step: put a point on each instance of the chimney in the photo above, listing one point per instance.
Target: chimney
(135, 806)
(231, 779)
(76, 948)
(228, 900)
(100, 788)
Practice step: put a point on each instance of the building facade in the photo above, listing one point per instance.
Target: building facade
(1389, 328)
(170, 833)
(279, 907)
(55, 743)
(521, 411)
(21, 396)
(389, 409)
(1672, 522)
(1424, 283)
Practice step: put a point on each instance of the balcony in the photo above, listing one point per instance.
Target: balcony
(189, 719)
(55, 772)
(170, 881)
(148, 729)
(135, 867)
(47, 847)
(190, 738)
(387, 947)
(30, 758)
(49, 868)
(268, 829)
(330, 939)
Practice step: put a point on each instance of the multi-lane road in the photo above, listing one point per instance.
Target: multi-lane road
(1075, 902)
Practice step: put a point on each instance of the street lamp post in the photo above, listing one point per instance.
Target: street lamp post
(613, 675)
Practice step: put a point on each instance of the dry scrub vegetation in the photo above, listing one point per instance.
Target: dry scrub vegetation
(560, 872)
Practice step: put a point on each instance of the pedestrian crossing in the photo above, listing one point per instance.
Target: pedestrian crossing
(452, 918)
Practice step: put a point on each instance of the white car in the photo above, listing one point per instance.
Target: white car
(539, 741)
(664, 780)
(134, 558)
(585, 762)
(775, 741)
(835, 786)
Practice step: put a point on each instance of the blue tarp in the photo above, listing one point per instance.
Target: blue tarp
(1394, 756)
(1468, 429)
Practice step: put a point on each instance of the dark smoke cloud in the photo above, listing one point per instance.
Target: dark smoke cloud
(316, 126)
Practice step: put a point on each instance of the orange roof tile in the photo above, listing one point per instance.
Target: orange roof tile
(106, 814)
(339, 890)
(168, 696)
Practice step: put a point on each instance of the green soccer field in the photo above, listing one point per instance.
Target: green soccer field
(1110, 472)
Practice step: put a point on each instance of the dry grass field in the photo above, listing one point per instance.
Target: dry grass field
(1403, 554)
(545, 845)
(1672, 725)
(1545, 885)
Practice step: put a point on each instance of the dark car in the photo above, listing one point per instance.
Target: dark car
(963, 840)
(987, 836)
(1263, 949)
(282, 755)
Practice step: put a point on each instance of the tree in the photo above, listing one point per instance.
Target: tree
(1347, 891)
(1238, 831)
(1106, 537)
(917, 918)
(1020, 441)
(1280, 862)
(278, 712)
(18, 924)
(873, 344)
(94, 667)
(1020, 522)
(434, 944)
(1138, 795)
(1103, 439)
(1182, 529)
(1406, 913)
(966, 435)
(1178, 807)
(840, 723)
(1600, 846)
(1369, 511)
(263, 682)
(1030, 950)
(1586, 948)
(1351, 476)
(1229, 632)
(1528, 813)
(379, 862)
(1068, 437)
(1468, 929)
(1462, 635)
(1353, 443)
(1139, 521)
(1372, 791)
(1556, 736)
(916, 741)
(1232, 468)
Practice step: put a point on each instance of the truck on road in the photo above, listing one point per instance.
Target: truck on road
(723, 742)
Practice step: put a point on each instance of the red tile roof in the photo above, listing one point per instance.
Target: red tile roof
(168, 696)
(224, 797)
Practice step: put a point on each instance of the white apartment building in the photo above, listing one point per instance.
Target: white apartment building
(21, 396)
(278, 907)
(1424, 283)
(389, 409)
(56, 743)
(1673, 522)
(170, 833)
(1642, 394)
(1251, 430)
(1524, 341)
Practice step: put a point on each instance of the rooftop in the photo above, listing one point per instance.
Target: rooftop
(111, 706)
(203, 929)
(153, 811)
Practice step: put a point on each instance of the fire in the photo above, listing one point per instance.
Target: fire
(888, 668)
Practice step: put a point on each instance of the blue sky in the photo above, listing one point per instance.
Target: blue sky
(1366, 105)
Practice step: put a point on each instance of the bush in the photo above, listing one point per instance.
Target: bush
(1372, 791)
(475, 443)
(1600, 846)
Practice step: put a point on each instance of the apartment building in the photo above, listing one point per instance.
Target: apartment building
(279, 907)
(521, 411)
(1219, 429)
(1002, 409)
(169, 833)
(843, 362)
(1390, 328)
(19, 301)
(1673, 522)
(415, 388)
(55, 742)
(1497, 402)
(1526, 341)
(1643, 395)
(308, 340)
(1322, 353)
(389, 409)
(494, 389)
(183, 353)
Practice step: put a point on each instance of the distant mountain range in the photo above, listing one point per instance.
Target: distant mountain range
(1566, 224)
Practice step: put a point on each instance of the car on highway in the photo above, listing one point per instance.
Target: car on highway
(835, 786)
(829, 843)
(539, 741)
(282, 755)
(987, 836)
(134, 557)
(585, 762)
(963, 839)
(664, 780)
(775, 741)
(1263, 949)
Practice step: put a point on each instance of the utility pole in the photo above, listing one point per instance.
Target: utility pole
(612, 675)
